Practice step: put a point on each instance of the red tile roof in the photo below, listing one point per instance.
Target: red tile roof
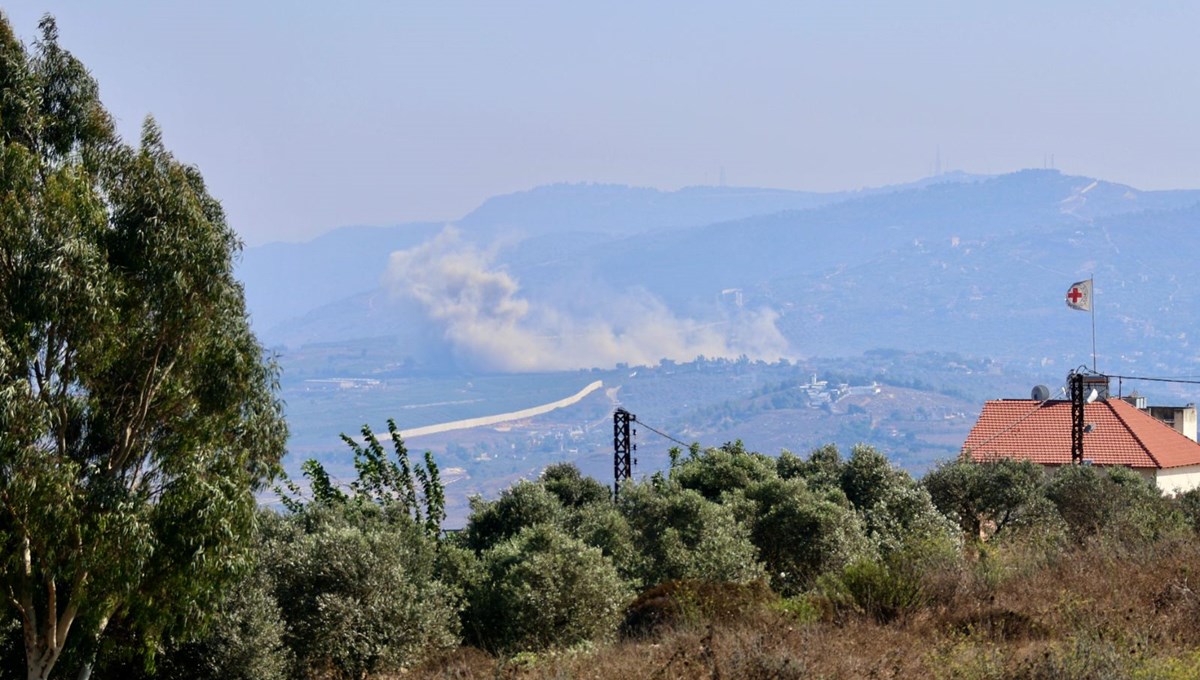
(1024, 429)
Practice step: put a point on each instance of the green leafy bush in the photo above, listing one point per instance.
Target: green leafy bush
(821, 470)
(682, 535)
(603, 526)
(245, 641)
(872, 588)
(716, 472)
(1113, 501)
(543, 589)
(572, 489)
(358, 592)
(984, 498)
(525, 504)
(800, 534)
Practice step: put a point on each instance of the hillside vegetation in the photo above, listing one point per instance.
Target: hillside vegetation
(732, 564)
(968, 264)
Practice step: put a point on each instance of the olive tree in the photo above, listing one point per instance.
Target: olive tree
(542, 589)
(358, 591)
(138, 417)
(682, 535)
(801, 534)
(979, 495)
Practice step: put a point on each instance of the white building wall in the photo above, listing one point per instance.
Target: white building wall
(1178, 480)
(1187, 420)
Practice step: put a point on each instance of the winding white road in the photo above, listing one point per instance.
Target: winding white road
(503, 417)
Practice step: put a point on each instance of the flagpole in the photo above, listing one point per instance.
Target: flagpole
(1093, 306)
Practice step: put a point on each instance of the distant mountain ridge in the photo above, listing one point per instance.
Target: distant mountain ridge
(961, 263)
(286, 281)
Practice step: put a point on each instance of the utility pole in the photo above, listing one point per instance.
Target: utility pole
(1077, 402)
(623, 447)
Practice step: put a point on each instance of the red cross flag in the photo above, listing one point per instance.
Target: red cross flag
(1079, 296)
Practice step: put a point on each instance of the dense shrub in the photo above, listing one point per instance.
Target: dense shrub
(1113, 501)
(1189, 505)
(572, 489)
(895, 510)
(682, 535)
(895, 585)
(544, 589)
(984, 498)
(800, 534)
(525, 504)
(715, 472)
(603, 526)
(245, 641)
(872, 588)
(359, 593)
(868, 476)
(822, 469)
(679, 603)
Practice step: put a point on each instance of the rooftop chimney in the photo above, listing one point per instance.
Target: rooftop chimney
(1181, 418)
(1096, 382)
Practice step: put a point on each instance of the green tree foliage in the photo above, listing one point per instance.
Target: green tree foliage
(822, 468)
(1189, 505)
(602, 526)
(801, 534)
(1113, 501)
(137, 416)
(358, 591)
(381, 481)
(571, 488)
(525, 504)
(244, 641)
(682, 535)
(718, 471)
(994, 493)
(322, 487)
(543, 589)
(867, 477)
(896, 511)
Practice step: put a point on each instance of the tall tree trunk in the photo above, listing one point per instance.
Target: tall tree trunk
(85, 671)
(38, 664)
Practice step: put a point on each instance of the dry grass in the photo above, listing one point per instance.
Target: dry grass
(1100, 611)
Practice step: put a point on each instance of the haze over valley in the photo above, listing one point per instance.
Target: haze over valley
(919, 300)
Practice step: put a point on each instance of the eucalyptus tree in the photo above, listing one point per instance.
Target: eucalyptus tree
(138, 416)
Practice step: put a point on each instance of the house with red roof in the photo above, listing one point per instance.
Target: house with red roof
(1117, 433)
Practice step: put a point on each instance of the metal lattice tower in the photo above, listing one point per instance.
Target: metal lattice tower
(623, 448)
(1077, 424)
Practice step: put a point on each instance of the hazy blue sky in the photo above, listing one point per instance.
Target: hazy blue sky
(305, 116)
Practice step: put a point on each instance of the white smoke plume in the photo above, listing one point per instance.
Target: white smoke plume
(488, 323)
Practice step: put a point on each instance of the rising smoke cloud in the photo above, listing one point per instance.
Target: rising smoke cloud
(490, 325)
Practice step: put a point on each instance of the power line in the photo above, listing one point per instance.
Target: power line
(1166, 380)
(663, 434)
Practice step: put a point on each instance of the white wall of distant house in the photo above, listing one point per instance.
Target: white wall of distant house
(1178, 480)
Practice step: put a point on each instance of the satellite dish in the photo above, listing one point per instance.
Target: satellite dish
(1040, 393)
